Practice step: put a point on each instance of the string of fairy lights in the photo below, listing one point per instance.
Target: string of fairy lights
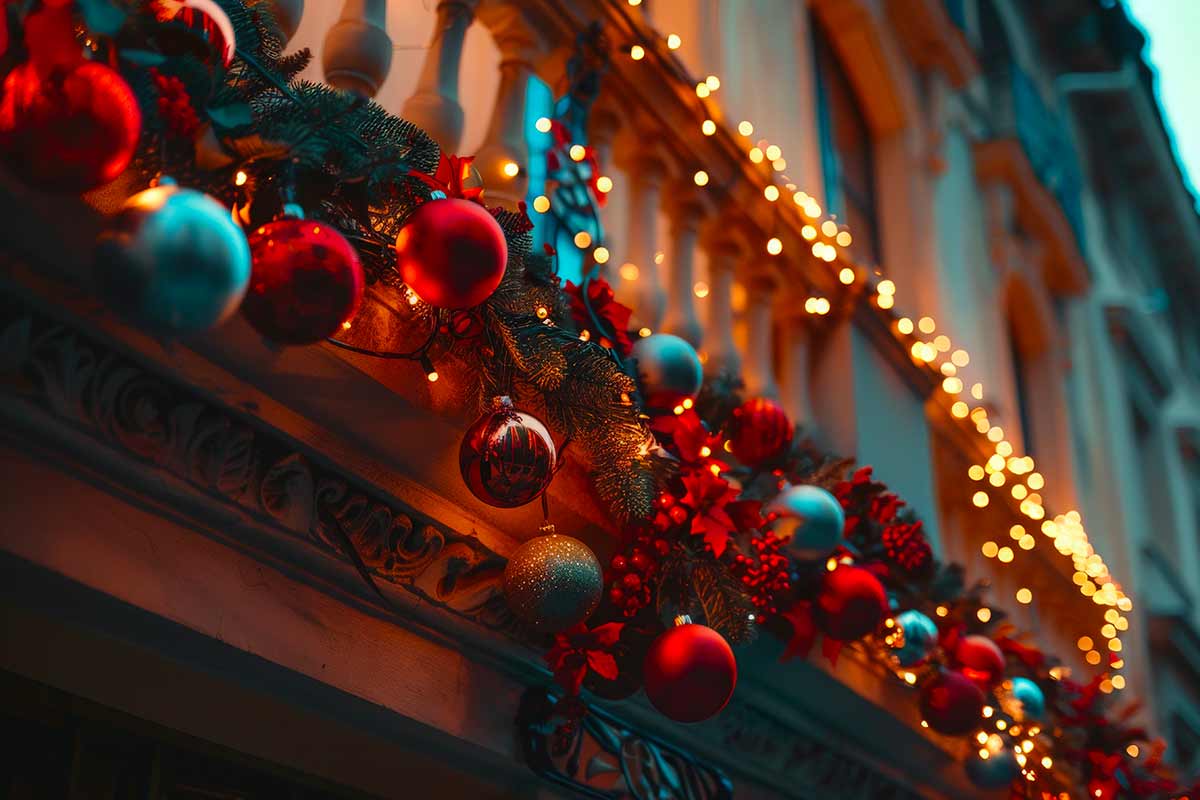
(1003, 470)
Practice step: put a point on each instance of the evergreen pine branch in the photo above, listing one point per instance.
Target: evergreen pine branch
(720, 598)
(352, 163)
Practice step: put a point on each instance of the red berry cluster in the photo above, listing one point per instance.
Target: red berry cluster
(765, 573)
(669, 513)
(630, 572)
(906, 546)
(175, 105)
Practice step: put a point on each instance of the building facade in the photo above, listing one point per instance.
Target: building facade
(174, 600)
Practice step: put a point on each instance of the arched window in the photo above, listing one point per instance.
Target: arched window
(846, 151)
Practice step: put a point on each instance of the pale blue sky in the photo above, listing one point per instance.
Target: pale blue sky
(1173, 28)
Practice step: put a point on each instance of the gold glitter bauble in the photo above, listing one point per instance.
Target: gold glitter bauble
(553, 582)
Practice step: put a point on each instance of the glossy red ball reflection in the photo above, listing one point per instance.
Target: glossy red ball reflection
(690, 673)
(759, 431)
(952, 704)
(851, 603)
(70, 130)
(305, 282)
(452, 253)
(507, 457)
(981, 660)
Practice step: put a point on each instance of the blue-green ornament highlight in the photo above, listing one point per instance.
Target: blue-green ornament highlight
(920, 637)
(174, 261)
(809, 519)
(997, 770)
(1028, 696)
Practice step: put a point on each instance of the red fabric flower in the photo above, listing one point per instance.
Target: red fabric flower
(804, 630)
(804, 635)
(579, 649)
(613, 316)
(1030, 656)
(50, 38)
(686, 436)
(883, 507)
(708, 495)
(450, 178)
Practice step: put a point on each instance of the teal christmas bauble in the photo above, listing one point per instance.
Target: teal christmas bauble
(920, 637)
(998, 770)
(809, 519)
(1029, 698)
(174, 261)
(668, 371)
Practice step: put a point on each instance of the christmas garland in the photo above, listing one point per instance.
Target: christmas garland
(322, 217)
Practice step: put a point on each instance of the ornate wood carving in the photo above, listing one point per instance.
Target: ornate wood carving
(617, 761)
(241, 461)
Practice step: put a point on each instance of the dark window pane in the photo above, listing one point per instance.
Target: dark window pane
(1021, 385)
(846, 152)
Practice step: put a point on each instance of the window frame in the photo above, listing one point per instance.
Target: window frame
(840, 196)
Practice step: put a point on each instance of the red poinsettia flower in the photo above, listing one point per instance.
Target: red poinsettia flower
(450, 178)
(746, 515)
(686, 436)
(804, 630)
(1030, 656)
(804, 635)
(883, 507)
(707, 496)
(611, 314)
(579, 649)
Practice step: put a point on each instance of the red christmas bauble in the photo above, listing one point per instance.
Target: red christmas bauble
(690, 673)
(759, 431)
(71, 129)
(204, 21)
(452, 253)
(305, 281)
(952, 704)
(980, 660)
(507, 457)
(851, 603)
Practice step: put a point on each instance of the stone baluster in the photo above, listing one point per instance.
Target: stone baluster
(502, 159)
(759, 371)
(603, 124)
(685, 207)
(357, 53)
(795, 331)
(434, 106)
(288, 14)
(644, 167)
(724, 249)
